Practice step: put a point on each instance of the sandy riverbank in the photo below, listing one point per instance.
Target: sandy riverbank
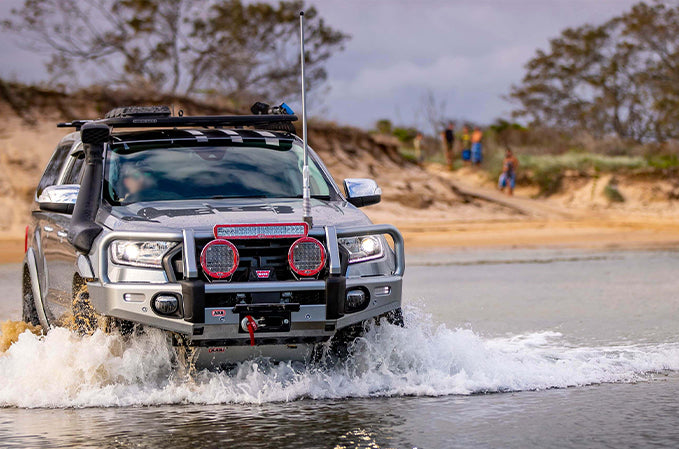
(613, 233)
(587, 234)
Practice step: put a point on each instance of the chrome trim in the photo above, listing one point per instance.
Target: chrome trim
(189, 254)
(61, 194)
(360, 187)
(333, 250)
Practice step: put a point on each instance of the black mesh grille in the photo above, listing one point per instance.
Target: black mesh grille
(231, 299)
(262, 254)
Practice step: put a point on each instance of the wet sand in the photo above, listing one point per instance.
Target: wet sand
(11, 249)
(589, 234)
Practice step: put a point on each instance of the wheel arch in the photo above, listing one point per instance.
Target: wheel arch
(30, 264)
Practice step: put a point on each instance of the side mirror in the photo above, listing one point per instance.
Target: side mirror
(362, 192)
(59, 199)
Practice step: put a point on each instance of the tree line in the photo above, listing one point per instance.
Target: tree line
(234, 49)
(619, 78)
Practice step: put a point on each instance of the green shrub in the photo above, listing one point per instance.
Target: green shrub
(613, 194)
(663, 161)
(404, 135)
(547, 171)
(383, 126)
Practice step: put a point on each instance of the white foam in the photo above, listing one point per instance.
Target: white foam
(64, 370)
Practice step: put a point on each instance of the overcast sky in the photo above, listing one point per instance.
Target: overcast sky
(468, 53)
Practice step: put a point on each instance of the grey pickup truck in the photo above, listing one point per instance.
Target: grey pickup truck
(193, 225)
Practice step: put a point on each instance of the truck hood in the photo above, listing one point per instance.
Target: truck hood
(203, 215)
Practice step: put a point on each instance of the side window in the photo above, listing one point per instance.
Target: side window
(54, 166)
(75, 171)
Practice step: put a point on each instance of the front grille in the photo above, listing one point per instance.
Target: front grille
(271, 254)
(231, 299)
(254, 254)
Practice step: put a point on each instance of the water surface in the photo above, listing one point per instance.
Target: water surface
(502, 349)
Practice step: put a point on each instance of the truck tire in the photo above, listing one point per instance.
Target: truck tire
(85, 319)
(395, 317)
(29, 313)
(339, 347)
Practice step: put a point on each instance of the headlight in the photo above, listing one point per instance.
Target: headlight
(140, 254)
(362, 248)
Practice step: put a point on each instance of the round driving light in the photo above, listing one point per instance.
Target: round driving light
(166, 304)
(219, 259)
(306, 256)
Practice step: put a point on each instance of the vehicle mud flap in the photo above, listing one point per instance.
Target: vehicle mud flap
(335, 292)
(193, 293)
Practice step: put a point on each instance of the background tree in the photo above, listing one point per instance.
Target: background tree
(433, 111)
(621, 77)
(214, 47)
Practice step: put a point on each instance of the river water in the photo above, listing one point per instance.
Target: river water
(515, 349)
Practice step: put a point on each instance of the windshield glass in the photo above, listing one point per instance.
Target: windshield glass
(153, 172)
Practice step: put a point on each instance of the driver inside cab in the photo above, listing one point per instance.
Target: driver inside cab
(134, 181)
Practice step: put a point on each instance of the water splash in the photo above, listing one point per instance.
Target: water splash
(10, 331)
(65, 370)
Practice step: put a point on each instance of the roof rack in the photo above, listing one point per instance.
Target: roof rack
(205, 121)
(160, 117)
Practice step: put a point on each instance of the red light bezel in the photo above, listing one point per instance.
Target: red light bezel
(26, 241)
(220, 275)
(245, 225)
(316, 270)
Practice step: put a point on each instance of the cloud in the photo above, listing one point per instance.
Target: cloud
(467, 53)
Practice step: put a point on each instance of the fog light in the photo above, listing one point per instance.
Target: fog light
(166, 304)
(356, 300)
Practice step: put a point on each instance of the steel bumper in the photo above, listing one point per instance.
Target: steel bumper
(132, 301)
(203, 325)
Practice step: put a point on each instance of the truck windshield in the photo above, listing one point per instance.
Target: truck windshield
(135, 173)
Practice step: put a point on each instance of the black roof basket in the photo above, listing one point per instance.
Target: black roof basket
(160, 117)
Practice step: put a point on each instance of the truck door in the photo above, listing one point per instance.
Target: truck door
(53, 228)
(63, 260)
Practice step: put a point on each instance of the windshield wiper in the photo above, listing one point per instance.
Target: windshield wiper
(318, 197)
(226, 197)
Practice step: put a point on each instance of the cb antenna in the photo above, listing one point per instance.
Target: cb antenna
(306, 187)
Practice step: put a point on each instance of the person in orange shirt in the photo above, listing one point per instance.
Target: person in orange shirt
(477, 155)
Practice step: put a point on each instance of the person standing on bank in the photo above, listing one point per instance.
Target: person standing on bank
(448, 141)
(508, 177)
(477, 155)
(417, 144)
(466, 145)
